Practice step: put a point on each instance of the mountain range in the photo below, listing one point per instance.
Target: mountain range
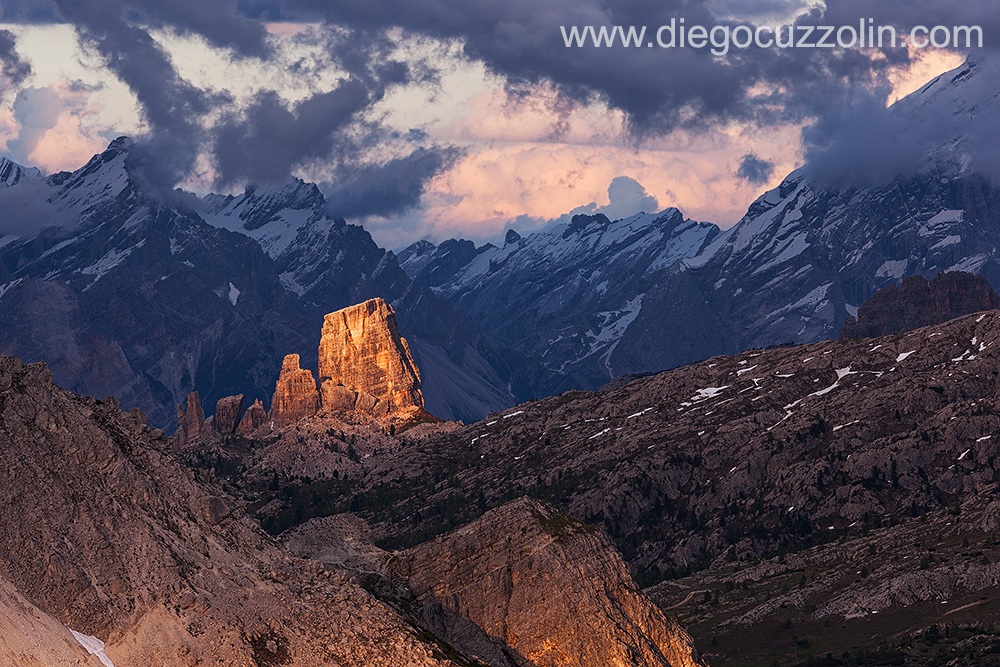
(598, 298)
(146, 296)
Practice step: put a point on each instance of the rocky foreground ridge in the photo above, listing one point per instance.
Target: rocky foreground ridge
(108, 536)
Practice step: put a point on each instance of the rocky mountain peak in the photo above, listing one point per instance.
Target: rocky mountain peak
(11, 173)
(253, 419)
(228, 411)
(295, 395)
(917, 302)
(190, 420)
(361, 352)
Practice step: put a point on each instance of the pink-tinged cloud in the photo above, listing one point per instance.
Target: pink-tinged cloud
(494, 185)
(66, 145)
(53, 126)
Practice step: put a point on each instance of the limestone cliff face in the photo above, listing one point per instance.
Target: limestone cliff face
(527, 586)
(295, 395)
(227, 414)
(365, 361)
(190, 422)
(916, 303)
(253, 418)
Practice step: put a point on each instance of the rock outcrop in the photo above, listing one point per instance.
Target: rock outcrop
(253, 419)
(362, 353)
(228, 411)
(295, 395)
(190, 421)
(528, 586)
(916, 303)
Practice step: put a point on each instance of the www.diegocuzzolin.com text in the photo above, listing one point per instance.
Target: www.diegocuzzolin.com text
(720, 39)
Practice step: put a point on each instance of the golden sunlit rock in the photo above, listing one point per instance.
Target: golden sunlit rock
(361, 351)
(295, 395)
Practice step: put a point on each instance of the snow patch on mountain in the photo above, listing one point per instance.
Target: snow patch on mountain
(109, 261)
(892, 268)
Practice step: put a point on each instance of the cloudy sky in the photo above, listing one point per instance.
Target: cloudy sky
(438, 118)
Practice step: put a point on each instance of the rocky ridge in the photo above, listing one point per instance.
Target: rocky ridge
(106, 533)
(523, 586)
(482, 586)
(917, 302)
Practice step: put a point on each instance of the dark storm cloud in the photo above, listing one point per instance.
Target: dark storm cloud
(171, 106)
(270, 139)
(859, 145)
(664, 89)
(754, 169)
(864, 142)
(218, 21)
(28, 11)
(266, 141)
(659, 89)
(15, 69)
(392, 187)
(520, 40)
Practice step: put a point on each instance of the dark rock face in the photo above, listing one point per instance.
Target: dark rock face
(190, 421)
(228, 412)
(916, 303)
(253, 419)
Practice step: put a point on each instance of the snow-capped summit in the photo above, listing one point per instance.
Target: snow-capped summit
(807, 254)
(271, 215)
(598, 297)
(11, 173)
